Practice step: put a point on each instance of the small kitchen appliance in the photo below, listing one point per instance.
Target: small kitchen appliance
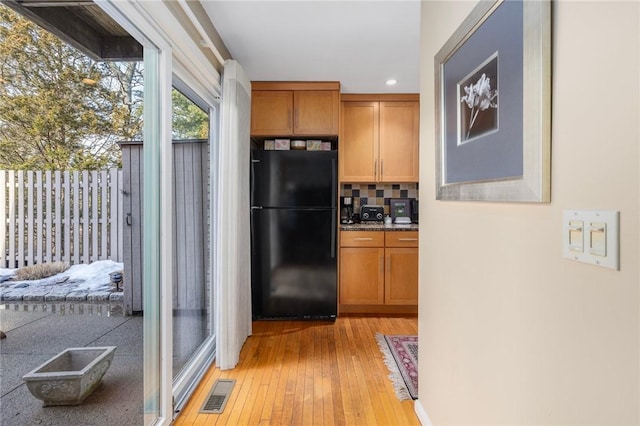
(371, 213)
(346, 210)
(401, 210)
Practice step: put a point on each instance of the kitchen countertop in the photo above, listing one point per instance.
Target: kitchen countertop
(375, 226)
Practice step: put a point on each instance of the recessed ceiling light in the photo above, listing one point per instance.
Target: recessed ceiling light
(391, 82)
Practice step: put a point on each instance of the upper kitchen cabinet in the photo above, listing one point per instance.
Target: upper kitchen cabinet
(271, 113)
(399, 141)
(295, 108)
(359, 138)
(379, 138)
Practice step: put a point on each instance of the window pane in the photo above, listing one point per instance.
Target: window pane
(191, 289)
(189, 121)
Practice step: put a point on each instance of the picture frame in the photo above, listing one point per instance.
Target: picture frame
(493, 105)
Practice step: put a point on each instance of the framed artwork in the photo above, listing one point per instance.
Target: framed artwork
(493, 101)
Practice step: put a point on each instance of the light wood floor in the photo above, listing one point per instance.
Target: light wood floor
(310, 373)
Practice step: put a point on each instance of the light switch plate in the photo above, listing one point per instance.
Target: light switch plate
(599, 230)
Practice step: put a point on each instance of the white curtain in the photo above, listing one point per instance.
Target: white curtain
(233, 257)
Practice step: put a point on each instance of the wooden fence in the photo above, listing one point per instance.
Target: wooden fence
(190, 226)
(71, 216)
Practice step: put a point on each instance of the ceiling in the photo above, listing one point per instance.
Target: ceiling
(359, 43)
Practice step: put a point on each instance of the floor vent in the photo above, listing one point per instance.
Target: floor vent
(218, 396)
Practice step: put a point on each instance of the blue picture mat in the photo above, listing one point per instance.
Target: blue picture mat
(498, 155)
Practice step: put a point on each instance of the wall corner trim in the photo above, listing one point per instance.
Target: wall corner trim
(421, 413)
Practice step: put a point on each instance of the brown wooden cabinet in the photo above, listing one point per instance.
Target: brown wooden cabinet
(316, 112)
(378, 270)
(399, 141)
(295, 109)
(362, 267)
(379, 139)
(362, 275)
(271, 112)
(401, 268)
(359, 141)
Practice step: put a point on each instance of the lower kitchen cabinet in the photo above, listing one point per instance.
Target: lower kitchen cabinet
(401, 276)
(378, 271)
(362, 272)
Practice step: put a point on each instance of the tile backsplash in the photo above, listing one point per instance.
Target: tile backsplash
(378, 194)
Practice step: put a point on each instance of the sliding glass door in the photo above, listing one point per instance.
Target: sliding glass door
(192, 296)
(181, 96)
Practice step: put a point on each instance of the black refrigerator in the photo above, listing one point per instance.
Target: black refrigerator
(293, 234)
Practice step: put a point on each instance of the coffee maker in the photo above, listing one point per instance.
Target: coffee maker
(346, 210)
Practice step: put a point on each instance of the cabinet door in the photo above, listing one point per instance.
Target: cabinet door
(399, 141)
(359, 141)
(316, 112)
(362, 275)
(271, 113)
(401, 276)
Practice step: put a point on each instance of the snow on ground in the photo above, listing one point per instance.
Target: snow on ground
(86, 277)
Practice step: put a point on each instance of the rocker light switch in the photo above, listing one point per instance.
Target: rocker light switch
(576, 238)
(591, 236)
(598, 238)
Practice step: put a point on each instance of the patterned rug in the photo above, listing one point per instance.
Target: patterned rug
(401, 357)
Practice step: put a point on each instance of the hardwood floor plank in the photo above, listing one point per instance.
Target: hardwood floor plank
(361, 365)
(370, 360)
(265, 364)
(348, 385)
(380, 376)
(339, 372)
(334, 377)
(324, 390)
(279, 383)
(306, 401)
(271, 380)
(310, 373)
(244, 386)
(293, 384)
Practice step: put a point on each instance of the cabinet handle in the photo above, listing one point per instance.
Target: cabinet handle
(407, 239)
(375, 170)
(381, 169)
(289, 118)
(363, 238)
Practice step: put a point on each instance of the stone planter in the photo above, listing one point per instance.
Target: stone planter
(69, 377)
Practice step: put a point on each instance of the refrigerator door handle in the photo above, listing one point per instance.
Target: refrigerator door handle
(252, 180)
(334, 184)
(252, 236)
(333, 234)
(334, 229)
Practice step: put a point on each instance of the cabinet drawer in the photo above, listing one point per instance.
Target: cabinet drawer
(362, 239)
(401, 239)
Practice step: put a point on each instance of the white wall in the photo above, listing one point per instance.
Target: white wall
(510, 332)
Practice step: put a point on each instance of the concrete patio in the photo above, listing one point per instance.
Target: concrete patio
(37, 332)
